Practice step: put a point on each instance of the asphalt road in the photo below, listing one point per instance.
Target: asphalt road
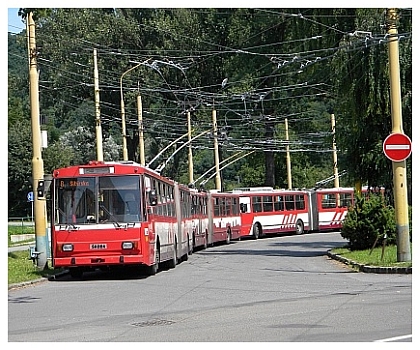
(282, 289)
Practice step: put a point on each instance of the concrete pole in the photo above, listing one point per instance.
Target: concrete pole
(124, 133)
(288, 166)
(99, 152)
(141, 130)
(216, 152)
(40, 209)
(334, 146)
(399, 168)
(190, 157)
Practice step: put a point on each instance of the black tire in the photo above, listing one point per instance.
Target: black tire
(228, 236)
(300, 228)
(172, 262)
(190, 247)
(256, 231)
(152, 270)
(189, 252)
(205, 242)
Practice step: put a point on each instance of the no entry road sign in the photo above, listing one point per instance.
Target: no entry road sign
(397, 147)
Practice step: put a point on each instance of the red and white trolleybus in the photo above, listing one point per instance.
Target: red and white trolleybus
(268, 211)
(215, 218)
(107, 214)
(224, 217)
(265, 210)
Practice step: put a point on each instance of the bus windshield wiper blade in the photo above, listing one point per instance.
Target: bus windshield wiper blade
(111, 216)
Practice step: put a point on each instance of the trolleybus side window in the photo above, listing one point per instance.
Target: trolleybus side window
(278, 203)
(228, 208)
(346, 200)
(235, 206)
(290, 202)
(268, 203)
(256, 204)
(328, 201)
(300, 202)
(216, 208)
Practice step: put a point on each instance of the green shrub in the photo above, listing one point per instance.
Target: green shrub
(368, 222)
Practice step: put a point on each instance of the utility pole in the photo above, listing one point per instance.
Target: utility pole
(398, 168)
(141, 130)
(288, 166)
(216, 152)
(334, 146)
(190, 157)
(99, 152)
(124, 133)
(40, 208)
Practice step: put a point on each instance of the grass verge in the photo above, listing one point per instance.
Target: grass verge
(374, 258)
(22, 269)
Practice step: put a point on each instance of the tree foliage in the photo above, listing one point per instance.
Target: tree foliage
(299, 64)
(368, 223)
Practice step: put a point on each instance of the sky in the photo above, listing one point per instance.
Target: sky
(14, 23)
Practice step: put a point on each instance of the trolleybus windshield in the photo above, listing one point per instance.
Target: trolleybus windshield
(87, 200)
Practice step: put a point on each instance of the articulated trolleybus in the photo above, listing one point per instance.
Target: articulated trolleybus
(265, 210)
(108, 214)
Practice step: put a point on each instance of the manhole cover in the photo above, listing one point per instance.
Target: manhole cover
(153, 323)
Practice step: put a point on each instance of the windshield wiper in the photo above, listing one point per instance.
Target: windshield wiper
(111, 216)
(67, 226)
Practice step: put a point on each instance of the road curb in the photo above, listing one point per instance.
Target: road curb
(39, 280)
(370, 269)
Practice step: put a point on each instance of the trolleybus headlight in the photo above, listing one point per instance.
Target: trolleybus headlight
(127, 245)
(67, 247)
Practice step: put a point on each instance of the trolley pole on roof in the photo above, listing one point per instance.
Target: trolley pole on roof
(141, 130)
(399, 168)
(123, 124)
(99, 151)
(190, 157)
(124, 133)
(216, 152)
(40, 208)
(334, 145)
(288, 166)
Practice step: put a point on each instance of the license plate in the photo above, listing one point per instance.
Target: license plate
(97, 246)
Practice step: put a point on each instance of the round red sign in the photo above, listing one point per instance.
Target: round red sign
(397, 147)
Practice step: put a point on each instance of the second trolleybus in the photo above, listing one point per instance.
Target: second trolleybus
(265, 210)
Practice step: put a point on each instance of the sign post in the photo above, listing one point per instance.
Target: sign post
(30, 198)
(399, 169)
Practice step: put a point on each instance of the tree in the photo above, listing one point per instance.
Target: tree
(19, 167)
(370, 221)
(280, 63)
(364, 103)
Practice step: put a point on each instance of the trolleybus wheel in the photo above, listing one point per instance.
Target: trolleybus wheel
(172, 262)
(228, 236)
(190, 245)
(152, 270)
(256, 231)
(299, 227)
(205, 241)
